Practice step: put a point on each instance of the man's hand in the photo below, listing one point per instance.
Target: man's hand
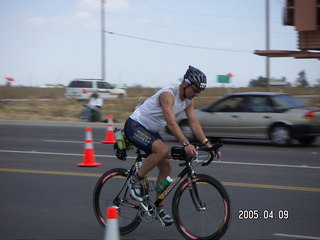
(191, 150)
(216, 154)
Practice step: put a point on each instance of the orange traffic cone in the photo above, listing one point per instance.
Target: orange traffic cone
(89, 159)
(110, 138)
(112, 228)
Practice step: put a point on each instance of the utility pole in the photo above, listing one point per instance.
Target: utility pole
(103, 57)
(267, 46)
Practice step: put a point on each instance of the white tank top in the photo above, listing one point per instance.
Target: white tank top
(150, 115)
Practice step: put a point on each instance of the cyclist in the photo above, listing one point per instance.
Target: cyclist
(143, 126)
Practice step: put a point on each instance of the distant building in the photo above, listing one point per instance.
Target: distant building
(278, 83)
(304, 15)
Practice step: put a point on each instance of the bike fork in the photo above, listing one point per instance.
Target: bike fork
(200, 206)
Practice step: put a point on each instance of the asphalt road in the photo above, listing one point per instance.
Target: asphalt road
(44, 195)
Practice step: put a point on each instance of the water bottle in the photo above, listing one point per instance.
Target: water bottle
(120, 140)
(164, 184)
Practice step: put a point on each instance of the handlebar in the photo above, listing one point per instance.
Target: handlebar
(215, 148)
(178, 153)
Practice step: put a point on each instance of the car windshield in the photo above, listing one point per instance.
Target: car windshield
(80, 84)
(283, 102)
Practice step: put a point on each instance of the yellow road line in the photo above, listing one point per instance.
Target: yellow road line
(233, 184)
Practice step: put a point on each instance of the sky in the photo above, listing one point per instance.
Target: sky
(152, 45)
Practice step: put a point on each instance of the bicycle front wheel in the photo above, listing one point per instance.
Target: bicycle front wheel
(111, 190)
(201, 208)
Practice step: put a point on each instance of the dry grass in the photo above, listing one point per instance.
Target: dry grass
(30, 92)
(56, 107)
(315, 102)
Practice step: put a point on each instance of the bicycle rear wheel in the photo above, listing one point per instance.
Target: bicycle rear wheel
(111, 190)
(201, 210)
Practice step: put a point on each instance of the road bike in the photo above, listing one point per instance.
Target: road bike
(200, 205)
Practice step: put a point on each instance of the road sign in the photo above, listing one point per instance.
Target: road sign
(223, 79)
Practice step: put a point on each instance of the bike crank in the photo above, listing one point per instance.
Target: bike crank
(147, 211)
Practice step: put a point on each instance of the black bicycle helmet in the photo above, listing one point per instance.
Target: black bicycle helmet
(196, 77)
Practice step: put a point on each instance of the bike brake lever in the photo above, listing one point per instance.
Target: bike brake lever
(214, 148)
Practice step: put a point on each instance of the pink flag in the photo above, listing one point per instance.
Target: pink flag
(230, 75)
(10, 79)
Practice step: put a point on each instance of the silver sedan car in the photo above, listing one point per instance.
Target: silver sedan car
(258, 115)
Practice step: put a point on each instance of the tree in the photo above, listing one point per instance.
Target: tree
(260, 82)
(301, 80)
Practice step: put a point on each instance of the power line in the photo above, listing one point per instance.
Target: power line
(177, 44)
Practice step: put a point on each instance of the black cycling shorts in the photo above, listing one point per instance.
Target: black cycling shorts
(139, 136)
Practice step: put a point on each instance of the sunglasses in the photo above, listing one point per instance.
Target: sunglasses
(196, 90)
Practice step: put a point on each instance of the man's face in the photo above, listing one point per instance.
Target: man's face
(192, 91)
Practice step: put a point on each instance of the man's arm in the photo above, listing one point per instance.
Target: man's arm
(167, 101)
(194, 123)
(196, 127)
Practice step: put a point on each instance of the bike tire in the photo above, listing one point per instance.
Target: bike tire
(210, 223)
(106, 190)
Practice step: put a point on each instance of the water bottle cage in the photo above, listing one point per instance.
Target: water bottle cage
(122, 145)
(121, 154)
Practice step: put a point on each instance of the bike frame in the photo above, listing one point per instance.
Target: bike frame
(188, 170)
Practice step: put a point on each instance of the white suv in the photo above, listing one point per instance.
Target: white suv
(82, 88)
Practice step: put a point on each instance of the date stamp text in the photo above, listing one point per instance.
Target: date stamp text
(255, 214)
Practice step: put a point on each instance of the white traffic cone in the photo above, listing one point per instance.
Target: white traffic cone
(112, 228)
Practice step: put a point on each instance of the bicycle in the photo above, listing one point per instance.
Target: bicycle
(200, 205)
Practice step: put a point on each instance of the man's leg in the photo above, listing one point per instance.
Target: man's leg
(159, 154)
(164, 167)
(158, 157)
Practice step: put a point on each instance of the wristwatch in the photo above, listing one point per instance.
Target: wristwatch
(186, 143)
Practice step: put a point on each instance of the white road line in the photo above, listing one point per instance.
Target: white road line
(65, 141)
(62, 141)
(295, 236)
(272, 165)
(51, 153)
(221, 162)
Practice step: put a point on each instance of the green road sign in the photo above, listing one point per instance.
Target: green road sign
(223, 79)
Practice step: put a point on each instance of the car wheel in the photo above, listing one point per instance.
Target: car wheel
(280, 135)
(185, 128)
(306, 140)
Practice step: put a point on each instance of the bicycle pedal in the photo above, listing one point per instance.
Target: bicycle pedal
(163, 224)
